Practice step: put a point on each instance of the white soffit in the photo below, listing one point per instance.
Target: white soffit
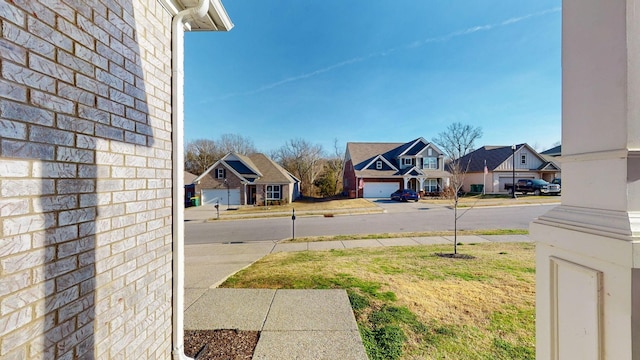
(217, 18)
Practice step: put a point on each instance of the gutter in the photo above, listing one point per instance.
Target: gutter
(177, 122)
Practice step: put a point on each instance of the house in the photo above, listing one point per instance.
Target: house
(189, 187)
(529, 164)
(375, 170)
(246, 180)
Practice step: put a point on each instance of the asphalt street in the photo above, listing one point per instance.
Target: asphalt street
(399, 217)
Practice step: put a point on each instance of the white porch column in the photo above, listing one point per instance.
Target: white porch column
(421, 180)
(588, 258)
(406, 182)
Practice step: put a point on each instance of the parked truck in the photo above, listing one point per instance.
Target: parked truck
(534, 186)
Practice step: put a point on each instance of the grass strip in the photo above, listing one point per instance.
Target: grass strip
(409, 234)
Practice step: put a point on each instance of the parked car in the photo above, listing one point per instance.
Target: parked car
(405, 195)
(557, 181)
(535, 186)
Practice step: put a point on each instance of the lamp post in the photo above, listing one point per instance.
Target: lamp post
(226, 183)
(513, 171)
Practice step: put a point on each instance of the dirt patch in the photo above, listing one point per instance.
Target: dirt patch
(456, 256)
(220, 344)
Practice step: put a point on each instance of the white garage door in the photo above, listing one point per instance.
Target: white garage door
(212, 196)
(379, 189)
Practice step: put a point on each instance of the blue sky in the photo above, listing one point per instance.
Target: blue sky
(377, 71)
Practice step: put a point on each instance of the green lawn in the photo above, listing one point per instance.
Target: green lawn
(411, 303)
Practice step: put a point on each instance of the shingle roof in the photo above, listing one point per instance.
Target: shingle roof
(494, 155)
(363, 152)
(272, 173)
(554, 151)
(189, 178)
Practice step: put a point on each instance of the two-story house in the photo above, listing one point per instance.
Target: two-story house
(375, 170)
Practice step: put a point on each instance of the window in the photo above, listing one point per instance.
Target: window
(220, 173)
(379, 165)
(273, 192)
(407, 161)
(430, 163)
(431, 185)
(430, 152)
(523, 159)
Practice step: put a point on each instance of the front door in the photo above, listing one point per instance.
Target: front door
(252, 194)
(413, 185)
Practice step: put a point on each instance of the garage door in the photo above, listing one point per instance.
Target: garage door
(212, 196)
(379, 189)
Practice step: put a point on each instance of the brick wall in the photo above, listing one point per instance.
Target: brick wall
(85, 179)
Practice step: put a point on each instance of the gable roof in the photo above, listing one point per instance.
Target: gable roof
(272, 173)
(362, 153)
(494, 155)
(255, 169)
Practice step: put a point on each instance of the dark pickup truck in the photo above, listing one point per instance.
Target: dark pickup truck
(535, 186)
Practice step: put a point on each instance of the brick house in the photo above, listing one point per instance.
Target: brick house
(375, 170)
(90, 176)
(246, 180)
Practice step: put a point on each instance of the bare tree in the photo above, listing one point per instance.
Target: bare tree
(236, 143)
(302, 159)
(457, 141)
(200, 154)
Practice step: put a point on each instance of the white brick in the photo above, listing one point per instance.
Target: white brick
(54, 170)
(14, 168)
(47, 66)
(55, 236)
(136, 161)
(25, 260)
(51, 136)
(76, 63)
(33, 43)
(26, 187)
(12, 129)
(76, 216)
(14, 320)
(28, 150)
(73, 186)
(26, 224)
(78, 35)
(13, 207)
(45, 31)
(54, 203)
(29, 114)
(14, 245)
(12, 91)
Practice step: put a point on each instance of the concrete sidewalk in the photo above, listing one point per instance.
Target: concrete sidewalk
(294, 324)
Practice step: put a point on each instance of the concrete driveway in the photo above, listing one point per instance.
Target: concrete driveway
(390, 206)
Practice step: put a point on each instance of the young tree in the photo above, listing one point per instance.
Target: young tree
(302, 159)
(457, 141)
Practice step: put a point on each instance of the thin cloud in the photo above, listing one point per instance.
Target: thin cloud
(415, 44)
